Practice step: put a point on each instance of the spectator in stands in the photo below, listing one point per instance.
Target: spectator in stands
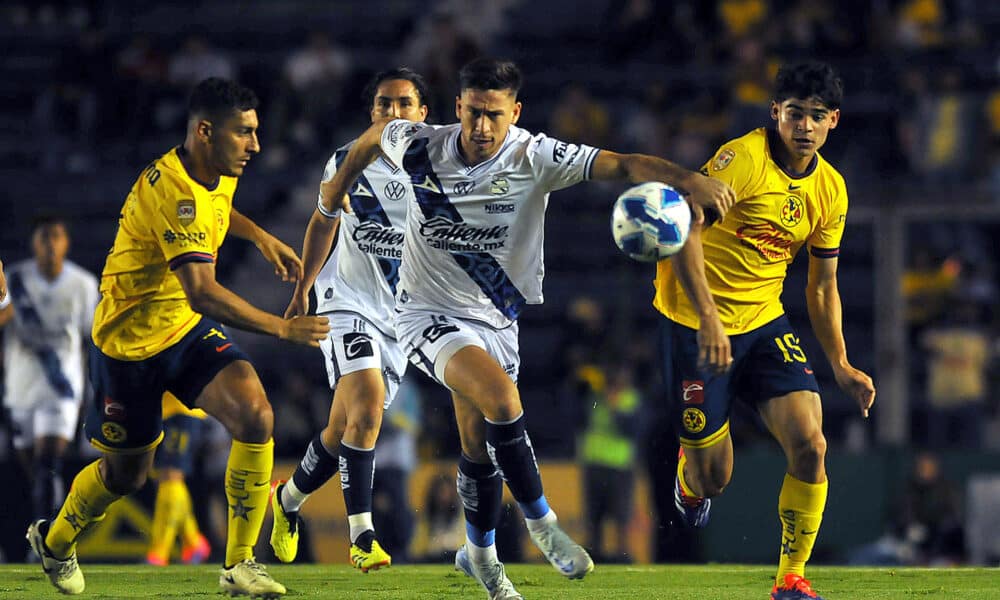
(315, 75)
(580, 116)
(929, 514)
(141, 81)
(438, 48)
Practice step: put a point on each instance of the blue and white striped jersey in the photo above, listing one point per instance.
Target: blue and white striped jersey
(474, 234)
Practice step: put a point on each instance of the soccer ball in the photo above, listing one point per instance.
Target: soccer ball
(650, 221)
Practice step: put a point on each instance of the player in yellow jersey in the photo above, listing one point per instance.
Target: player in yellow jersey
(173, 511)
(158, 328)
(724, 331)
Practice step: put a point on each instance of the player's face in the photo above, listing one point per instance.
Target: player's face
(398, 99)
(486, 116)
(803, 125)
(233, 142)
(49, 244)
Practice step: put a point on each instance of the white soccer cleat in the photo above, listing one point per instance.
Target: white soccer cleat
(568, 557)
(65, 574)
(250, 578)
(491, 576)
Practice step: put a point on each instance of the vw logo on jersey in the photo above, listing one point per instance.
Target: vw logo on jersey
(463, 187)
(394, 190)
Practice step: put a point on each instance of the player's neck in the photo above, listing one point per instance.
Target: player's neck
(791, 163)
(197, 167)
(50, 271)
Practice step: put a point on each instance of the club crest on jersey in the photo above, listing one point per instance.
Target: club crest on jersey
(185, 212)
(394, 190)
(791, 211)
(693, 419)
(499, 186)
(723, 159)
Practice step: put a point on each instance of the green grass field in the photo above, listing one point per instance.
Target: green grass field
(711, 582)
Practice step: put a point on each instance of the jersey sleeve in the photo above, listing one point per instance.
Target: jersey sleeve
(734, 164)
(183, 226)
(398, 135)
(328, 172)
(825, 240)
(558, 164)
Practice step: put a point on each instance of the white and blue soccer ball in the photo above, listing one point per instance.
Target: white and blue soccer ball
(650, 221)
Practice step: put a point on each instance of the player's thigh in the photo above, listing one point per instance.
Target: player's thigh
(471, 428)
(235, 396)
(356, 346)
(126, 415)
(794, 419)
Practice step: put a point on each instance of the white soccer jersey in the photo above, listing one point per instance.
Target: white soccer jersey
(43, 352)
(361, 274)
(474, 234)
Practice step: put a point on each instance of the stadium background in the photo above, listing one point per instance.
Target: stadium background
(92, 91)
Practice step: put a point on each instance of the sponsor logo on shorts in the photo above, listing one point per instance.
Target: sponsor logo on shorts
(357, 345)
(437, 331)
(113, 410)
(113, 432)
(391, 375)
(693, 391)
(694, 420)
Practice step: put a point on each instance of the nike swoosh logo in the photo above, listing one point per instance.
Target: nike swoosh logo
(258, 484)
(804, 532)
(808, 371)
(792, 187)
(223, 347)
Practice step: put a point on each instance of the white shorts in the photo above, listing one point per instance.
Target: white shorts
(430, 340)
(56, 417)
(355, 344)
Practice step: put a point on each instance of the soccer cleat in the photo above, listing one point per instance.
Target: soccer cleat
(694, 509)
(284, 528)
(491, 576)
(371, 560)
(64, 574)
(796, 587)
(249, 578)
(155, 560)
(568, 557)
(197, 553)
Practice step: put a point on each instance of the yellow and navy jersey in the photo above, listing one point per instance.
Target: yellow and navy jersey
(168, 219)
(747, 253)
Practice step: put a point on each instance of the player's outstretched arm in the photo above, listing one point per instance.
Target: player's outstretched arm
(825, 314)
(3, 284)
(320, 233)
(637, 168)
(286, 262)
(714, 350)
(363, 152)
(210, 298)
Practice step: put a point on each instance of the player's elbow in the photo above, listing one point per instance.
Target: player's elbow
(200, 299)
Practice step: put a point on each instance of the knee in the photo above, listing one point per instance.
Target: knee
(502, 403)
(714, 483)
(255, 421)
(809, 449)
(365, 420)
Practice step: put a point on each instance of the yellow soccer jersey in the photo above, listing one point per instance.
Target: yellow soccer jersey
(747, 253)
(169, 219)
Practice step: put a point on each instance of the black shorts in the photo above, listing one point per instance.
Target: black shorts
(767, 362)
(127, 414)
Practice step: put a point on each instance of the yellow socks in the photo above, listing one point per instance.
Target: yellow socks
(800, 508)
(173, 505)
(85, 505)
(248, 485)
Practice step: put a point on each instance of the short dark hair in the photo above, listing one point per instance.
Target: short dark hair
(808, 80)
(47, 219)
(218, 98)
(490, 74)
(406, 73)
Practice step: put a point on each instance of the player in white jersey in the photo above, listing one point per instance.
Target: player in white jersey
(472, 259)
(355, 289)
(47, 326)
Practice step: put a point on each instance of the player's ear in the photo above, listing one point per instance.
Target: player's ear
(775, 109)
(517, 113)
(423, 112)
(203, 129)
(458, 107)
(834, 118)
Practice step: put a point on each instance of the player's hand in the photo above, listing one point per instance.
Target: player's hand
(714, 352)
(707, 192)
(309, 331)
(287, 264)
(298, 306)
(858, 385)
